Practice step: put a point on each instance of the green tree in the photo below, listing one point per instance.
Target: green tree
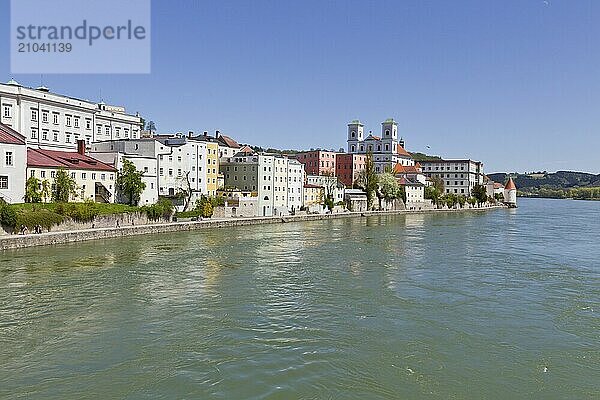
(33, 193)
(64, 187)
(130, 184)
(46, 191)
(480, 193)
(205, 205)
(367, 180)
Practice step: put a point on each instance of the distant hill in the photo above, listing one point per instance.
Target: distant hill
(424, 157)
(555, 180)
(560, 184)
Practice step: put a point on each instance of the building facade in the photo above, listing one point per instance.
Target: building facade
(277, 180)
(95, 180)
(459, 176)
(56, 122)
(348, 167)
(330, 184)
(318, 162)
(13, 165)
(387, 149)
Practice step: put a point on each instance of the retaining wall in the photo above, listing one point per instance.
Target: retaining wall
(60, 237)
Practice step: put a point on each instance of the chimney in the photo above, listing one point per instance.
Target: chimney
(81, 147)
(205, 133)
(217, 134)
(190, 134)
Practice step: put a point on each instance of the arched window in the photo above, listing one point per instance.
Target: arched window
(353, 134)
(387, 132)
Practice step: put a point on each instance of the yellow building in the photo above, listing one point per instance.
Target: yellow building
(212, 167)
(95, 180)
(313, 195)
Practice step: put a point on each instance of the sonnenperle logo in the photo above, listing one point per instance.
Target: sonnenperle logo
(74, 36)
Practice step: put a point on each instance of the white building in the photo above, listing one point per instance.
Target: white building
(331, 186)
(13, 164)
(459, 176)
(55, 122)
(510, 193)
(387, 149)
(179, 164)
(145, 164)
(276, 180)
(94, 179)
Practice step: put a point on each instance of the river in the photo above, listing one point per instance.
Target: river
(502, 304)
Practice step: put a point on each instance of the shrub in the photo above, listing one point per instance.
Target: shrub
(162, 209)
(8, 215)
(44, 218)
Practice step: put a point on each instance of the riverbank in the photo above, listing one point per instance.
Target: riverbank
(62, 237)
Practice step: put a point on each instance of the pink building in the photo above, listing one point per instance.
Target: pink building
(318, 162)
(348, 167)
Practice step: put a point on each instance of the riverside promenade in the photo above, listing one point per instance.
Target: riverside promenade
(61, 237)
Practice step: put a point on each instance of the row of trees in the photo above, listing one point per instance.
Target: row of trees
(129, 186)
(437, 195)
(383, 187)
(584, 193)
(60, 190)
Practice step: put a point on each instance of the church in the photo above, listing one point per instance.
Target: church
(387, 150)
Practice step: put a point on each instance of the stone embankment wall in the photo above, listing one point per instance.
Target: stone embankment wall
(60, 237)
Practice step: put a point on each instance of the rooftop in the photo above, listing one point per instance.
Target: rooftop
(65, 159)
(10, 136)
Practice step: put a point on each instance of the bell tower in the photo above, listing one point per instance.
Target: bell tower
(355, 135)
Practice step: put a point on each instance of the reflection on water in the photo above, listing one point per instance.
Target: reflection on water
(501, 304)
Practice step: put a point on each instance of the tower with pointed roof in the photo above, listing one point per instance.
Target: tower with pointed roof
(510, 193)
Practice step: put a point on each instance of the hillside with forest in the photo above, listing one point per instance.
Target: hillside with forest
(560, 184)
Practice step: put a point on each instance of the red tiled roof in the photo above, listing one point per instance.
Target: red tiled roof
(498, 185)
(406, 169)
(64, 159)
(10, 136)
(510, 185)
(403, 152)
(246, 149)
(229, 142)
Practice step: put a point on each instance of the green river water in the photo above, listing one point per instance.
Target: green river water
(502, 304)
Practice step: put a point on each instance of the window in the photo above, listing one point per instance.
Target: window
(118, 132)
(3, 182)
(52, 174)
(170, 172)
(387, 132)
(83, 175)
(76, 122)
(102, 177)
(45, 117)
(42, 174)
(9, 159)
(55, 136)
(55, 118)
(34, 115)
(99, 129)
(88, 124)
(34, 133)
(68, 137)
(107, 130)
(33, 172)
(93, 175)
(127, 134)
(145, 169)
(73, 175)
(7, 110)
(68, 120)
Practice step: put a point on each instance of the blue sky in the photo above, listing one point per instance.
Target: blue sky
(515, 84)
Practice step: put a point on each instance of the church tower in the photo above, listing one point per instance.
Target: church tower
(355, 135)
